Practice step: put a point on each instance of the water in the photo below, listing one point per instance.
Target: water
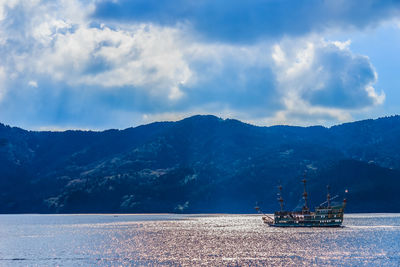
(190, 240)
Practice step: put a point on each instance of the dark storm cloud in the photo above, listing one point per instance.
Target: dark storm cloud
(248, 20)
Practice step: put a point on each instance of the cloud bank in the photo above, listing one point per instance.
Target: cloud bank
(247, 21)
(100, 64)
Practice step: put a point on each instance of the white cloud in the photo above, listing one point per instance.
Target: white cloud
(33, 84)
(342, 45)
(322, 80)
(377, 98)
(64, 46)
(144, 56)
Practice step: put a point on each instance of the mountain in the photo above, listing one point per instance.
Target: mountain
(199, 164)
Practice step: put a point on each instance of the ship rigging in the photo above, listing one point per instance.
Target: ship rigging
(325, 215)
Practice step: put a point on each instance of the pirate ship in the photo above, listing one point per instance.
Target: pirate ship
(325, 215)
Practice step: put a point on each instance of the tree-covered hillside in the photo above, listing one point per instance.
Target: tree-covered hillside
(199, 164)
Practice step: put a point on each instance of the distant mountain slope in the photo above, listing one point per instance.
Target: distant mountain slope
(199, 164)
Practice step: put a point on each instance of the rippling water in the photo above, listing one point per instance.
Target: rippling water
(187, 240)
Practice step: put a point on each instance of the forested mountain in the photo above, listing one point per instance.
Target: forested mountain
(199, 164)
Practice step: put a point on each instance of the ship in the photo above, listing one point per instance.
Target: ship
(325, 215)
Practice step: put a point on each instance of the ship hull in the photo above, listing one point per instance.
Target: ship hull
(333, 225)
(322, 217)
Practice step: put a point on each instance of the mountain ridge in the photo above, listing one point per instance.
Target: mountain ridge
(199, 164)
(202, 116)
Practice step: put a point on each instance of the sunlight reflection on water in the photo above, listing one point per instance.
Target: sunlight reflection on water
(187, 240)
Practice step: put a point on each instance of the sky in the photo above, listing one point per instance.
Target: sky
(99, 64)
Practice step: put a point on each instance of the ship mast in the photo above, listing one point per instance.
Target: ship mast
(328, 196)
(280, 199)
(345, 199)
(305, 208)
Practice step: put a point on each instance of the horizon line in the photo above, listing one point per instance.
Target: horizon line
(68, 128)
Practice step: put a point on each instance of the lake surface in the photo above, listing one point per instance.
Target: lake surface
(188, 240)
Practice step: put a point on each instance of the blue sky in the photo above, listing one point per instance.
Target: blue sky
(99, 64)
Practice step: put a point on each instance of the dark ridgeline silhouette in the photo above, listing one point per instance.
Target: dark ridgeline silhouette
(199, 164)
